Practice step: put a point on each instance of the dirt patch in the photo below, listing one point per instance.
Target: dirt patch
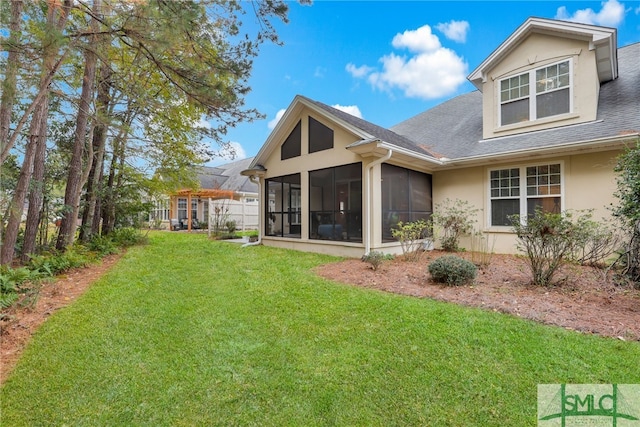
(584, 301)
(19, 324)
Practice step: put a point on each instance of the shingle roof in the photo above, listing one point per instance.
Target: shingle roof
(385, 135)
(227, 177)
(454, 128)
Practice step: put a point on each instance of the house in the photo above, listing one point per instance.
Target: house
(223, 195)
(555, 104)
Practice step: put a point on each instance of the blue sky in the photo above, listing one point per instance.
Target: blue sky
(387, 61)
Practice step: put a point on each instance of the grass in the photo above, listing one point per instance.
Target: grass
(188, 331)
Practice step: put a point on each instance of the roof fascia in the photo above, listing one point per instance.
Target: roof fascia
(602, 39)
(378, 148)
(601, 144)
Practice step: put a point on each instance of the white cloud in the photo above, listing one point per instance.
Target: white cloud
(637, 10)
(432, 71)
(272, 124)
(319, 72)
(420, 40)
(611, 14)
(454, 30)
(358, 72)
(349, 109)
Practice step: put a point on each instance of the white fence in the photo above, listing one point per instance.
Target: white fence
(244, 212)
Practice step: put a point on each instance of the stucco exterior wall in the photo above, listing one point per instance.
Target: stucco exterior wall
(536, 51)
(588, 180)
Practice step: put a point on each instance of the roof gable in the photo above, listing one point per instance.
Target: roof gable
(363, 129)
(601, 39)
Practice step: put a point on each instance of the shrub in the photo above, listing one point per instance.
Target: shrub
(628, 210)
(482, 249)
(18, 285)
(231, 226)
(53, 263)
(375, 258)
(455, 218)
(452, 270)
(411, 236)
(547, 239)
(102, 245)
(127, 236)
(594, 242)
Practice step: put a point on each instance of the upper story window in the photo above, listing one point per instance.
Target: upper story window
(320, 136)
(291, 146)
(519, 102)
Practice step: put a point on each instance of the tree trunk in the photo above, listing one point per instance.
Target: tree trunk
(108, 205)
(56, 18)
(11, 70)
(17, 203)
(36, 194)
(69, 221)
(99, 141)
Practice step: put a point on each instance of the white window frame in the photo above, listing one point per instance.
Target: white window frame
(533, 93)
(182, 208)
(523, 196)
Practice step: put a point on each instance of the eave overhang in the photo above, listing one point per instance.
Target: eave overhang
(617, 142)
(603, 40)
(377, 148)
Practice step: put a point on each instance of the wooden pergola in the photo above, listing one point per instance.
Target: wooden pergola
(210, 194)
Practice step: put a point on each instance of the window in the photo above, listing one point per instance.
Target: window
(406, 196)
(182, 208)
(283, 206)
(320, 136)
(194, 209)
(160, 210)
(552, 94)
(523, 189)
(335, 203)
(291, 146)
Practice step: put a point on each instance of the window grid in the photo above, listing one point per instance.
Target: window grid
(505, 183)
(514, 88)
(552, 94)
(552, 77)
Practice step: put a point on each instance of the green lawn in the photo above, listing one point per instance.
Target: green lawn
(187, 331)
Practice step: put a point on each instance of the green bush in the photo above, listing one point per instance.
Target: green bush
(548, 240)
(594, 242)
(375, 258)
(127, 236)
(454, 219)
(412, 236)
(53, 263)
(19, 284)
(452, 270)
(231, 226)
(102, 245)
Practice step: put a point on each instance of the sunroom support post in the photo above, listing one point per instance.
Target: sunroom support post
(368, 232)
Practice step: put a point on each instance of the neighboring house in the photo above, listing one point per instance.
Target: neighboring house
(556, 103)
(224, 195)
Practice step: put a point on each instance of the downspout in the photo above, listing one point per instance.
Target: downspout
(256, 180)
(367, 212)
